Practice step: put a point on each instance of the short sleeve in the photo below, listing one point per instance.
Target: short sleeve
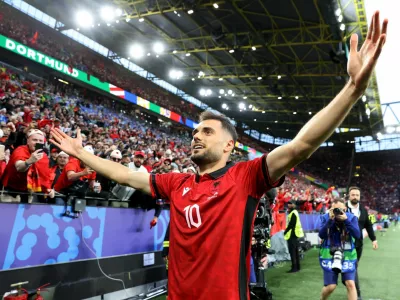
(162, 185)
(71, 166)
(254, 176)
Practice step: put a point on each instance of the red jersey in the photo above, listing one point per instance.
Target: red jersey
(73, 165)
(211, 228)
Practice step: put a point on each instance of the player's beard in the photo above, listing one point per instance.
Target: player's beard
(138, 164)
(208, 156)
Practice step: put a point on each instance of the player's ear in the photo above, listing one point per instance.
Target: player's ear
(230, 145)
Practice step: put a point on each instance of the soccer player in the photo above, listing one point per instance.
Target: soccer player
(212, 212)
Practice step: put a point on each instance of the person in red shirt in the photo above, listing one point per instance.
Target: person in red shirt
(212, 212)
(75, 171)
(24, 160)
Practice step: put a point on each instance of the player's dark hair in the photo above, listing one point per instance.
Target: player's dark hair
(225, 123)
(354, 188)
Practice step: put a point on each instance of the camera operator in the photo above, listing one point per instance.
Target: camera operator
(292, 233)
(338, 231)
(354, 206)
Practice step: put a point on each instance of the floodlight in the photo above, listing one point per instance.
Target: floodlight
(242, 105)
(84, 18)
(158, 48)
(107, 13)
(136, 51)
(221, 91)
(118, 12)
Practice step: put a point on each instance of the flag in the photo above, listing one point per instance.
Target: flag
(33, 40)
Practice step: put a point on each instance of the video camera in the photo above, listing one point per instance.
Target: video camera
(260, 249)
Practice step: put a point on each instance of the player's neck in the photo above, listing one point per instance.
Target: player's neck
(212, 167)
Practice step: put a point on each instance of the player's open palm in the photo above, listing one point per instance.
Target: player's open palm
(70, 145)
(361, 63)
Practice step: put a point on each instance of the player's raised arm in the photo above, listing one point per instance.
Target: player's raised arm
(360, 67)
(109, 169)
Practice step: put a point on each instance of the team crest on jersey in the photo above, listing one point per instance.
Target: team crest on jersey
(215, 187)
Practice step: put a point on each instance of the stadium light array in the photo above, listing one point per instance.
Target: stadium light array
(158, 48)
(136, 51)
(107, 13)
(242, 105)
(176, 74)
(216, 5)
(342, 27)
(338, 12)
(84, 18)
(190, 11)
(230, 92)
(222, 91)
(224, 106)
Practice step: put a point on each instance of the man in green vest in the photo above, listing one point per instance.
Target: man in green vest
(292, 233)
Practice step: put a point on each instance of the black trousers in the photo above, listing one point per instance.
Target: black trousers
(359, 250)
(293, 246)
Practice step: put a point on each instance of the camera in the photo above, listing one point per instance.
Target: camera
(337, 254)
(338, 211)
(259, 249)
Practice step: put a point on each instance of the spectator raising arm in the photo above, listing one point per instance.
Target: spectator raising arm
(112, 170)
(322, 125)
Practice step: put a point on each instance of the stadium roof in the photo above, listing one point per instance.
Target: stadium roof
(287, 59)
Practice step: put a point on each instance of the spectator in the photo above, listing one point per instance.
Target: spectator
(78, 180)
(28, 169)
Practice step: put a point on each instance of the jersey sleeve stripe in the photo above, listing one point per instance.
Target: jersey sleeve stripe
(154, 185)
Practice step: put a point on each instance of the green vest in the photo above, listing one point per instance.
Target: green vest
(372, 218)
(298, 230)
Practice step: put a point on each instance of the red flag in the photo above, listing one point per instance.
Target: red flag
(34, 38)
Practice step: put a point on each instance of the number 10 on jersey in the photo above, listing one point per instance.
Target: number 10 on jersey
(190, 210)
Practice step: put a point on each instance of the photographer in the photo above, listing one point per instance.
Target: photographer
(338, 231)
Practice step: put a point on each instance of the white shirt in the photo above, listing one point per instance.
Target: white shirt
(132, 166)
(355, 210)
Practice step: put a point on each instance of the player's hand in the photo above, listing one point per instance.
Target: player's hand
(361, 63)
(35, 156)
(69, 145)
(153, 222)
(375, 245)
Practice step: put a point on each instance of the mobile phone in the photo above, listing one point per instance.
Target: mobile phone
(39, 146)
